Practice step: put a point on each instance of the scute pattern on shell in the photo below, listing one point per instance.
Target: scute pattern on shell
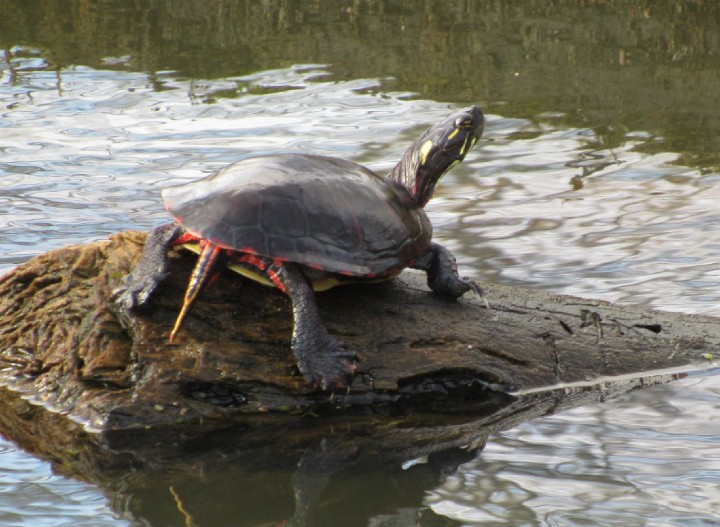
(318, 211)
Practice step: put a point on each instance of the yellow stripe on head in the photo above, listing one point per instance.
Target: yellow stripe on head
(469, 143)
(456, 162)
(462, 149)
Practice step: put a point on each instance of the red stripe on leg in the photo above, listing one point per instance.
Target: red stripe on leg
(275, 279)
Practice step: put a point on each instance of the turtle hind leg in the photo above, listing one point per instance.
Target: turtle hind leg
(323, 359)
(212, 258)
(442, 274)
(151, 269)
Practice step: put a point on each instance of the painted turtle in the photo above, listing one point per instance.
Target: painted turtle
(306, 222)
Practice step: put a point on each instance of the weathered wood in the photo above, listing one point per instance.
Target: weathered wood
(65, 344)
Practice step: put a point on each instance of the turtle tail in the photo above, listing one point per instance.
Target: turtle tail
(205, 270)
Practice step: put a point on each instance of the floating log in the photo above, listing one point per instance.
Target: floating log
(65, 345)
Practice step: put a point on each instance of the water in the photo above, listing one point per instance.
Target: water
(31, 495)
(597, 176)
(649, 459)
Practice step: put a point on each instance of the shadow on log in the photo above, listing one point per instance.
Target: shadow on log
(224, 403)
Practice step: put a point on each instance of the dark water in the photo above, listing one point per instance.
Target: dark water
(598, 175)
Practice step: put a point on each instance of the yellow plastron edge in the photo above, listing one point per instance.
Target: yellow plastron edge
(318, 284)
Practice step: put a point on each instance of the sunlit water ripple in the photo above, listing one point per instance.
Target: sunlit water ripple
(650, 459)
(84, 154)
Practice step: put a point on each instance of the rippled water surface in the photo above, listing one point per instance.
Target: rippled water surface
(32, 496)
(541, 202)
(86, 152)
(651, 458)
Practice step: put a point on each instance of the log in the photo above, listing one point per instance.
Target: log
(65, 345)
(436, 378)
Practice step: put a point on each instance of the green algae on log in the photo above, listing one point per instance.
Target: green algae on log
(65, 345)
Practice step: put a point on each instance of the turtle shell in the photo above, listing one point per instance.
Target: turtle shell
(318, 211)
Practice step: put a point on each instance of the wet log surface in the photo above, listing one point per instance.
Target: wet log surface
(64, 343)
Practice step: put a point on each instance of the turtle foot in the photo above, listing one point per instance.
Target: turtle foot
(328, 366)
(135, 291)
(454, 287)
(137, 286)
(442, 274)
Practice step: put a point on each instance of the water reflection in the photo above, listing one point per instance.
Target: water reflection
(370, 468)
(608, 66)
(33, 496)
(651, 458)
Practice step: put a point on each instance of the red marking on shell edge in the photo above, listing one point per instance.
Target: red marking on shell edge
(185, 238)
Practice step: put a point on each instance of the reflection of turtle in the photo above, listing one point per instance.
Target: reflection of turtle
(304, 222)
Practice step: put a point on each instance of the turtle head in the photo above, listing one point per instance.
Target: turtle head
(436, 151)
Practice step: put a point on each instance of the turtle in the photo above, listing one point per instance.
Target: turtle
(305, 223)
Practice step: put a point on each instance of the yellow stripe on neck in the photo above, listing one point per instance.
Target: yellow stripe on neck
(425, 151)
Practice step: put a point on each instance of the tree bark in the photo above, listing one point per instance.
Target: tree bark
(66, 345)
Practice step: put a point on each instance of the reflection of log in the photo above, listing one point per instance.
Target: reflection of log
(261, 470)
(63, 343)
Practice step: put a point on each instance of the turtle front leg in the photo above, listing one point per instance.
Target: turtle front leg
(150, 270)
(442, 274)
(323, 359)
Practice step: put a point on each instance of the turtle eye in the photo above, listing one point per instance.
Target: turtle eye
(464, 123)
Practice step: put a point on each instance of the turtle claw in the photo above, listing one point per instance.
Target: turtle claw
(329, 367)
(125, 298)
(475, 288)
(442, 274)
(134, 292)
